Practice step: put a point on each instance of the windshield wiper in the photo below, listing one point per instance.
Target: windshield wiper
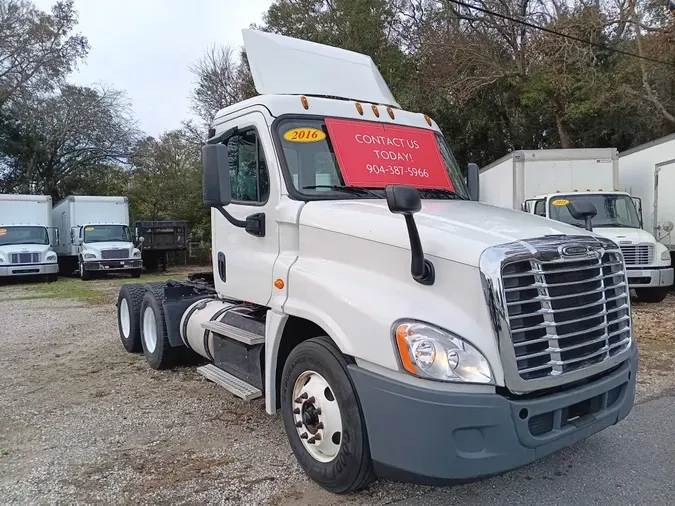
(441, 193)
(354, 190)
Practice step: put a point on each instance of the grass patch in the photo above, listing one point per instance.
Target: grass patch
(66, 289)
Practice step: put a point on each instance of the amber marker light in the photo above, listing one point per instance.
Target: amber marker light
(304, 102)
(401, 333)
(359, 108)
(376, 111)
(279, 283)
(426, 117)
(391, 112)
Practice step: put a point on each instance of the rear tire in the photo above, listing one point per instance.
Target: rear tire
(652, 295)
(346, 465)
(158, 351)
(136, 273)
(128, 316)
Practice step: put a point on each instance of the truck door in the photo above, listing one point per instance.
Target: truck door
(243, 263)
(664, 205)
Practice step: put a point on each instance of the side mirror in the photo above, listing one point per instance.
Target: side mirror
(406, 200)
(57, 237)
(523, 206)
(473, 181)
(668, 226)
(583, 210)
(216, 188)
(77, 241)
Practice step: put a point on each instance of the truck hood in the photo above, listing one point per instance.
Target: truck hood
(97, 247)
(24, 248)
(623, 236)
(455, 230)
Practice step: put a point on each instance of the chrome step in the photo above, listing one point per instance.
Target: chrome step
(230, 383)
(243, 336)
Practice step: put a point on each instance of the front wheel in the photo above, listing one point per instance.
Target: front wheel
(136, 273)
(323, 418)
(651, 294)
(84, 274)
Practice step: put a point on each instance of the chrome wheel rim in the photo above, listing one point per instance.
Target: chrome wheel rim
(149, 330)
(125, 318)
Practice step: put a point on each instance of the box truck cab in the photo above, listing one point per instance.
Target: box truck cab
(647, 261)
(98, 236)
(402, 329)
(544, 182)
(26, 236)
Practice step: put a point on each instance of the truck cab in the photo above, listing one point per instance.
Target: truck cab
(26, 237)
(619, 219)
(402, 329)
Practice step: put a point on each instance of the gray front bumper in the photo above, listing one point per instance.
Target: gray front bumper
(28, 269)
(431, 437)
(113, 265)
(651, 277)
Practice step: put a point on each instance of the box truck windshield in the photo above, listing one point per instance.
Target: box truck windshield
(23, 235)
(613, 210)
(106, 233)
(333, 157)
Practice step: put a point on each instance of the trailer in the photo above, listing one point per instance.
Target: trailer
(400, 327)
(160, 238)
(27, 237)
(648, 172)
(96, 236)
(544, 182)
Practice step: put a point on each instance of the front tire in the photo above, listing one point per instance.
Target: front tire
(136, 273)
(652, 295)
(323, 417)
(128, 316)
(84, 274)
(154, 338)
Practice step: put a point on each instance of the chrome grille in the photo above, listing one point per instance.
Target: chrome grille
(638, 254)
(109, 254)
(24, 258)
(566, 314)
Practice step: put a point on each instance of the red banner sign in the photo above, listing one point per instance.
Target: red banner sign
(376, 155)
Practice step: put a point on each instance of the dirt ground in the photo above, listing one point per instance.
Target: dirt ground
(82, 421)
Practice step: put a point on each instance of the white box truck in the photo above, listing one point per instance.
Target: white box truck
(544, 182)
(96, 236)
(648, 172)
(402, 329)
(26, 236)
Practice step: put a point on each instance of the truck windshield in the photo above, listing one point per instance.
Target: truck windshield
(105, 233)
(23, 235)
(337, 158)
(613, 210)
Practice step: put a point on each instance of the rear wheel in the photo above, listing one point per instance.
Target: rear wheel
(158, 351)
(323, 418)
(651, 294)
(128, 316)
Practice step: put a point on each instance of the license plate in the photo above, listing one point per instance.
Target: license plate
(122, 264)
(105, 266)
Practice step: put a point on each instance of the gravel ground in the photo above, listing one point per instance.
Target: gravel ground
(82, 421)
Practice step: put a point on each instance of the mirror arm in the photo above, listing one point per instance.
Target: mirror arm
(422, 270)
(234, 221)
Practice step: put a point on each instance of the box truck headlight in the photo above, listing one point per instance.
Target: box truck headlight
(430, 352)
(137, 254)
(51, 257)
(88, 255)
(665, 256)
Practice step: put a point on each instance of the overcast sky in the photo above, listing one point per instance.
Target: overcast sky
(145, 47)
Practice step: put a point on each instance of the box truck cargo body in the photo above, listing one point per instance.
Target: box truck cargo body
(544, 182)
(648, 172)
(96, 235)
(26, 236)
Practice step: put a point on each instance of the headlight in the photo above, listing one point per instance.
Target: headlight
(88, 255)
(50, 257)
(665, 256)
(137, 254)
(430, 352)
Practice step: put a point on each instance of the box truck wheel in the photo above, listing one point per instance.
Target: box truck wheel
(158, 352)
(84, 274)
(651, 294)
(128, 316)
(323, 418)
(136, 273)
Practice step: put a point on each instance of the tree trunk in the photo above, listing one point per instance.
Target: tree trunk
(563, 132)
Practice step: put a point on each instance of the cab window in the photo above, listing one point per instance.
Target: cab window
(248, 169)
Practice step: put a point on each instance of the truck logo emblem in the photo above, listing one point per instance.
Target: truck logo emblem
(573, 250)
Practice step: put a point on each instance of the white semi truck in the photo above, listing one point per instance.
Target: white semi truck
(26, 237)
(544, 182)
(402, 329)
(96, 236)
(648, 172)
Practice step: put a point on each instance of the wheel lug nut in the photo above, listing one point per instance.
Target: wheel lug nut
(303, 435)
(318, 411)
(317, 437)
(296, 411)
(311, 399)
(311, 440)
(298, 424)
(319, 425)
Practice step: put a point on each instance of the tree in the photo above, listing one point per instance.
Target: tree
(56, 139)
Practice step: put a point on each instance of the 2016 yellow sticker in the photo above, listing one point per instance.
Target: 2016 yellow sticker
(88, 229)
(560, 202)
(304, 134)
